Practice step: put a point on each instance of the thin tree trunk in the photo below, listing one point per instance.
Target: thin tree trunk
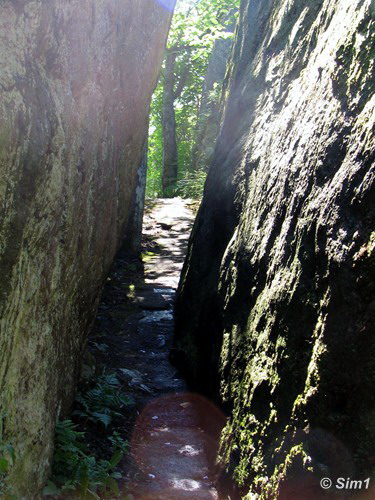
(170, 154)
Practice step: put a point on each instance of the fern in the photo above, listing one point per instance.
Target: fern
(76, 472)
(102, 403)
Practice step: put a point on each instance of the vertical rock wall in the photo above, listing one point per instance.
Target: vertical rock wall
(276, 300)
(133, 240)
(76, 77)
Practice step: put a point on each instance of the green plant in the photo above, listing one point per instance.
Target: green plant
(118, 442)
(192, 184)
(102, 403)
(195, 29)
(76, 472)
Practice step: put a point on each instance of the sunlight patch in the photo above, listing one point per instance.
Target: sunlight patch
(185, 484)
(189, 450)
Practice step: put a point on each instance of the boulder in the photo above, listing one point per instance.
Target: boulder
(275, 308)
(76, 78)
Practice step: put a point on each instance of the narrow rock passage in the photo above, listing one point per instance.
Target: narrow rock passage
(175, 219)
(173, 432)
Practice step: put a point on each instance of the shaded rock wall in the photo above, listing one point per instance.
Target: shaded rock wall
(133, 237)
(76, 79)
(276, 305)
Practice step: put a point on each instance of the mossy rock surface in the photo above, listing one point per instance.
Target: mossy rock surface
(76, 78)
(275, 309)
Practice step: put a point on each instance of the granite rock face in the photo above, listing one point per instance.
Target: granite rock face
(276, 300)
(76, 78)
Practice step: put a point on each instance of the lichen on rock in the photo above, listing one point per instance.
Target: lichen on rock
(76, 79)
(276, 302)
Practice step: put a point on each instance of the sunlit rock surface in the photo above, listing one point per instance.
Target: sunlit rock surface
(275, 313)
(75, 84)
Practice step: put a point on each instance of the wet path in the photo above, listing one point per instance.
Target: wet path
(171, 437)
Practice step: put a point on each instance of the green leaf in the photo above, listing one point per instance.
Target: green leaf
(4, 465)
(69, 485)
(116, 475)
(102, 417)
(113, 486)
(51, 489)
(116, 458)
(91, 494)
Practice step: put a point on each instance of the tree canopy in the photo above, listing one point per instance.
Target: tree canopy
(177, 100)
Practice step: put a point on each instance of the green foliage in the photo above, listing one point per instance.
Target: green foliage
(155, 146)
(76, 472)
(192, 184)
(195, 27)
(198, 24)
(101, 404)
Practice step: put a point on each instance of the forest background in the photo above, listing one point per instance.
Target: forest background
(185, 111)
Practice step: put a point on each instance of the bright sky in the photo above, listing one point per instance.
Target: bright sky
(181, 5)
(185, 4)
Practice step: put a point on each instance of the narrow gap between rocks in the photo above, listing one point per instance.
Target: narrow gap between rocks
(172, 433)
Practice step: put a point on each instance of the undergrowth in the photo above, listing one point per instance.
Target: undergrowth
(102, 403)
(192, 184)
(77, 471)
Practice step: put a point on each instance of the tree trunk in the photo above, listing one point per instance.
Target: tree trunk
(170, 154)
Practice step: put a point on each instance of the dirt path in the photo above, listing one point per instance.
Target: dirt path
(174, 220)
(172, 432)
